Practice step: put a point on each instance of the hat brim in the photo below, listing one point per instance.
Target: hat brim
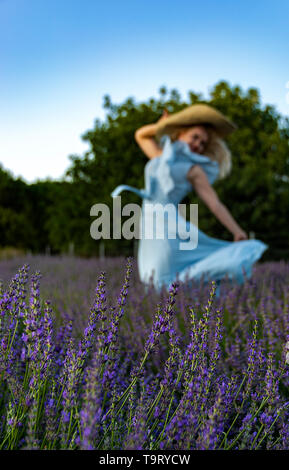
(194, 115)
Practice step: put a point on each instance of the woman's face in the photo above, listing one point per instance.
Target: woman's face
(196, 137)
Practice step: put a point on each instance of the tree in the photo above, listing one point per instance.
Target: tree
(256, 191)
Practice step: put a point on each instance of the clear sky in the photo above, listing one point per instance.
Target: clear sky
(58, 58)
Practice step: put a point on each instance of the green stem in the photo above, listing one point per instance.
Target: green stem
(41, 406)
(239, 389)
(242, 432)
(69, 427)
(6, 353)
(227, 433)
(60, 396)
(257, 435)
(153, 405)
(238, 414)
(10, 345)
(125, 393)
(170, 405)
(266, 433)
(123, 397)
(5, 439)
(26, 375)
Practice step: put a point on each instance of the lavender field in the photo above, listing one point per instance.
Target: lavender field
(90, 359)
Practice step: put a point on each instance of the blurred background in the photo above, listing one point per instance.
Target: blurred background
(79, 77)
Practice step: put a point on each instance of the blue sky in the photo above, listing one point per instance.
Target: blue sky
(58, 58)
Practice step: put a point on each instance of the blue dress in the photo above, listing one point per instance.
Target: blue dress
(161, 260)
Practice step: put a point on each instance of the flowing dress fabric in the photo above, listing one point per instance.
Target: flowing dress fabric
(162, 260)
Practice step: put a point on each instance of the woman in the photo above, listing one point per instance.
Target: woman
(186, 152)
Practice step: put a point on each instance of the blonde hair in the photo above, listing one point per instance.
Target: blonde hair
(216, 148)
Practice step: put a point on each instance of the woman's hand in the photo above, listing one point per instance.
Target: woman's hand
(145, 137)
(240, 235)
(165, 115)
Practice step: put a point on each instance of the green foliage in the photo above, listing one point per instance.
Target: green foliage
(256, 192)
(23, 212)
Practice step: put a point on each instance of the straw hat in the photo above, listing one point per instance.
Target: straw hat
(193, 115)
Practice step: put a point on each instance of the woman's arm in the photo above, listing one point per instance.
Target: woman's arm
(204, 190)
(146, 141)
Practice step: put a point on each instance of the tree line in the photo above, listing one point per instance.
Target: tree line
(55, 216)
